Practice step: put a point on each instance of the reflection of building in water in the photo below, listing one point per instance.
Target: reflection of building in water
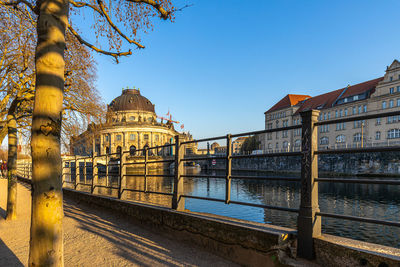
(131, 124)
(153, 184)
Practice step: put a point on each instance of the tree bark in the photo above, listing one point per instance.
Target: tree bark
(46, 243)
(11, 167)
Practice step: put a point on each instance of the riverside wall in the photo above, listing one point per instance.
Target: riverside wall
(380, 163)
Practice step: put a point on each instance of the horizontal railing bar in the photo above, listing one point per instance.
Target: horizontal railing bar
(358, 150)
(105, 186)
(134, 175)
(68, 182)
(204, 140)
(278, 154)
(84, 184)
(162, 146)
(204, 198)
(357, 118)
(203, 176)
(203, 158)
(150, 192)
(359, 219)
(267, 131)
(264, 206)
(161, 161)
(359, 181)
(265, 178)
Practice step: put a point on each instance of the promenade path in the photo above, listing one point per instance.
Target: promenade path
(96, 237)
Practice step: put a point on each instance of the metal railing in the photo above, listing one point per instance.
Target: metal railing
(309, 215)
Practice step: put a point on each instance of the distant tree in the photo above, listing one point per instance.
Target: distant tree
(250, 144)
(52, 17)
(17, 86)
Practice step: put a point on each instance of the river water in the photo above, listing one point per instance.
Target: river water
(371, 201)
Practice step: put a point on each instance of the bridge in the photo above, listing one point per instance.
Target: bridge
(239, 241)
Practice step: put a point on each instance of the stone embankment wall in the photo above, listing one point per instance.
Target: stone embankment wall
(382, 163)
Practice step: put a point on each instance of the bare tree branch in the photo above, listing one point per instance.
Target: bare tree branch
(100, 2)
(16, 3)
(113, 54)
(164, 14)
(83, 4)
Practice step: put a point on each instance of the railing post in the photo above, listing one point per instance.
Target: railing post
(76, 173)
(146, 158)
(122, 172)
(84, 171)
(228, 169)
(106, 170)
(308, 224)
(95, 174)
(178, 202)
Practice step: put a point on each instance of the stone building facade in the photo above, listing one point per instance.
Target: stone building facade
(131, 124)
(375, 96)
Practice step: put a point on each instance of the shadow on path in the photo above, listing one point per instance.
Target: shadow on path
(7, 257)
(133, 243)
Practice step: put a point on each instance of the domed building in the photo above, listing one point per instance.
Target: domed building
(131, 124)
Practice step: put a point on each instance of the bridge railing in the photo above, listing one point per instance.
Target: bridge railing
(309, 214)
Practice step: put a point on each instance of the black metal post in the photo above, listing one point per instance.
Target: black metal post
(308, 224)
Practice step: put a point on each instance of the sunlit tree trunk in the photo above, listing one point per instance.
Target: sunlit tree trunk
(11, 167)
(46, 244)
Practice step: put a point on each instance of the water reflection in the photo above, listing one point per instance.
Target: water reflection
(373, 201)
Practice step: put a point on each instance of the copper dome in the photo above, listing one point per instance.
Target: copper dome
(131, 99)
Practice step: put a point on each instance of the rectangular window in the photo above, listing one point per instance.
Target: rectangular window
(383, 104)
(391, 90)
(324, 116)
(336, 113)
(359, 109)
(106, 138)
(329, 115)
(118, 137)
(146, 137)
(398, 102)
(378, 136)
(398, 88)
(378, 121)
(156, 137)
(341, 113)
(132, 137)
(391, 103)
(345, 111)
(354, 110)
(355, 97)
(365, 108)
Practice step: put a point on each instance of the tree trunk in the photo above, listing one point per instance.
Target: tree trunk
(11, 168)
(46, 243)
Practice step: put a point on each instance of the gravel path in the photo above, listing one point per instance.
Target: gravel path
(94, 237)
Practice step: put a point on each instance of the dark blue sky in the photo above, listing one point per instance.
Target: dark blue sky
(223, 63)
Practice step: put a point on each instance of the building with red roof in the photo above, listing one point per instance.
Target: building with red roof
(377, 95)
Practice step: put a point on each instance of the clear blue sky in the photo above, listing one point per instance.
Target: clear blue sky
(223, 63)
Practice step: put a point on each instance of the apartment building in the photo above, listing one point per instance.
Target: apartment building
(374, 96)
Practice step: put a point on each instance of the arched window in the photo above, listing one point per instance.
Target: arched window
(132, 150)
(324, 140)
(340, 138)
(285, 144)
(357, 137)
(378, 135)
(119, 149)
(107, 150)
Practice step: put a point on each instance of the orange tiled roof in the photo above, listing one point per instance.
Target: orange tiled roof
(288, 101)
(328, 100)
